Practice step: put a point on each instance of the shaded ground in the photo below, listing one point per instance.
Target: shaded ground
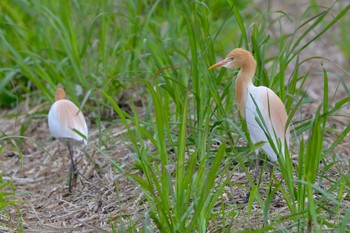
(102, 194)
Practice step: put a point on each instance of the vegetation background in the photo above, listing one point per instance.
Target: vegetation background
(167, 149)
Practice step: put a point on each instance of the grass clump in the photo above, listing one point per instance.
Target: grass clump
(192, 111)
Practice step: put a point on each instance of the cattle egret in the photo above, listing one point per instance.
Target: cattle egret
(67, 123)
(263, 110)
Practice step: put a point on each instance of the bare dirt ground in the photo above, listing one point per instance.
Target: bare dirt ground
(102, 194)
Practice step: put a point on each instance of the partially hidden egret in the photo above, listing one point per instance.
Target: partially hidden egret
(67, 123)
(263, 110)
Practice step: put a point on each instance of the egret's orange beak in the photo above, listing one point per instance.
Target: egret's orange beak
(219, 64)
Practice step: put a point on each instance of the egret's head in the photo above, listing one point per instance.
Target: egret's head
(237, 58)
(60, 94)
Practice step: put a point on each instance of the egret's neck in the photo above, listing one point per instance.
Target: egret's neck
(243, 81)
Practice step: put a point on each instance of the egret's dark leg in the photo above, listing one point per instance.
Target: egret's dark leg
(72, 170)
(257, 168)
(256, 173)
(271, 174)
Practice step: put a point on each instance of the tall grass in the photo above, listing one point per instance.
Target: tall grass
(300, 180)
(180, 200)
(105, 48)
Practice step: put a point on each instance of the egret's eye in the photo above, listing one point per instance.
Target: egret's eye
(231, 58)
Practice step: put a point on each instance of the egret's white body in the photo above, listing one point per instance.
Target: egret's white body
(269, 123)
(65, 120)
(67, 123)
(264, 111)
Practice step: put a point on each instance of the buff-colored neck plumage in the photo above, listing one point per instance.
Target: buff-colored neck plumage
(244, 78)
